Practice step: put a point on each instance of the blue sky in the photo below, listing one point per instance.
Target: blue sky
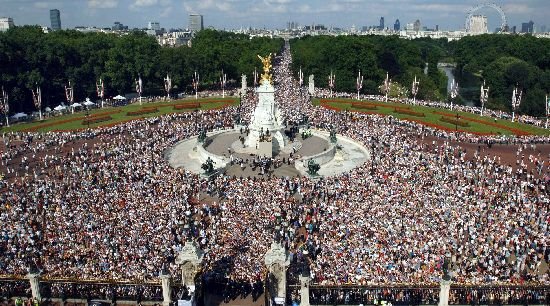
(229, 14)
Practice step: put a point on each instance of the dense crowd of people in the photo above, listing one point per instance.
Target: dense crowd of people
(105, 204)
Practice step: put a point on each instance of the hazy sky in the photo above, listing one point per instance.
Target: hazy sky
(229, 14)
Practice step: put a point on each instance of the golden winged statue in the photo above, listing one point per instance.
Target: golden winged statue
(266, 61)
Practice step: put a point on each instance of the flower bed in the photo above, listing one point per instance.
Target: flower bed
(187, 106)
(454, 121)
(444, 128)
(59, 122)
(404, 111)
(143, 111)
(94, 120)
(516, 132)
(363, 106)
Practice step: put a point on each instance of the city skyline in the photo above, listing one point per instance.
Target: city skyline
(234, 14)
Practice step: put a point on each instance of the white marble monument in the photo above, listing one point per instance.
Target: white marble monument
(266, 128)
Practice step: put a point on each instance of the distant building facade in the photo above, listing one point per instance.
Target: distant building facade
(416, 25)
(153, 25)
(175, 39)
(55, 19)
(196, 22)
(6, 23)
(527, 27)
(397, 25)
(381, 27)
(478, 24)
(119, 27)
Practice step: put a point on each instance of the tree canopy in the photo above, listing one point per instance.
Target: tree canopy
(29, 57)
(505, 61)
(374, 56)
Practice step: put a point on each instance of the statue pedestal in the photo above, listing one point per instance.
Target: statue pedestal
(276, 260)
(444, 292)
(190, 260)
(266, 117)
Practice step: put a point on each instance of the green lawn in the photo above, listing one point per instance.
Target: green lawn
(58, 123)
(486, 124)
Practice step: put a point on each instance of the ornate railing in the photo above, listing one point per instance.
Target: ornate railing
(14, 288)
(429, 295)
(101, 291)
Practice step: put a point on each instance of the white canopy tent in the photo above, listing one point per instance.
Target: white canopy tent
(19, 116)
(119, 97)
(60, 108)
(88, 103)
(76, 104)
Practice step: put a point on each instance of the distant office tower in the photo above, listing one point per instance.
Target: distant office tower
(153, 26)
(478, 24)
(381, 27)
(195, 22)
(6, 23)
(527, 27)
(55, 19)
(437, 28)
(397, 25)
(416, 26)
(119, 27)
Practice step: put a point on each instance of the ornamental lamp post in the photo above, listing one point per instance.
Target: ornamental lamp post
(5, 106)
(414, 89)
(547, 102)
(454, 92)
(88, 116)
(167, 85)
(516, 100)
(255, 76)
(359, 84)
(37, 99)
(139, 88)
(223, 81)
(387, 86)
(100, 90)
(331, 79)
(484, 96)
(69, 94)
(196, 80)
(301, 77)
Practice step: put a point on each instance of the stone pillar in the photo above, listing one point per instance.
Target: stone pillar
(243, 83)
(277, 261)
(311, 84)
(34, 279)
(304, 290)
(166, 281)
(190, 260)
(444, 292)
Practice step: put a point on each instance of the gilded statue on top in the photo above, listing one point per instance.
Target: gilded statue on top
(266, 61)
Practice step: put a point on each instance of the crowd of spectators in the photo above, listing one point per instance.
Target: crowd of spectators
(105, 204)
